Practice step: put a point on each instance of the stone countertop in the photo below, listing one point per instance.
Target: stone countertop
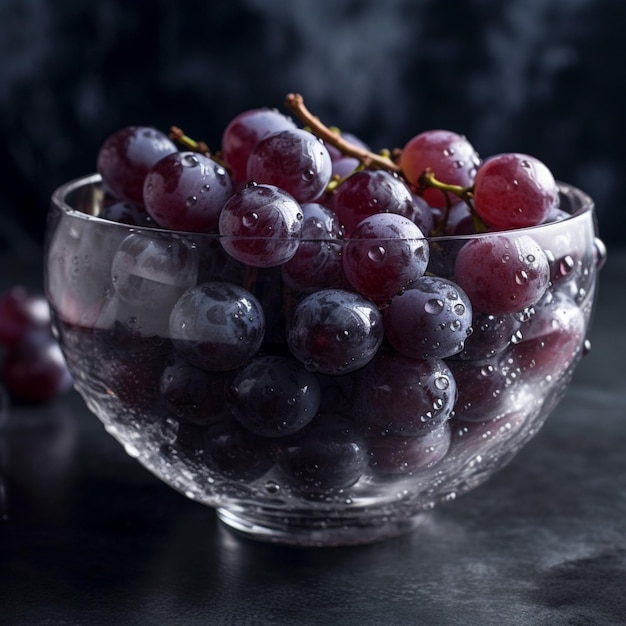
(90, 537)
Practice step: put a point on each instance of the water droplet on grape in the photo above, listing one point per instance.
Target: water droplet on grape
(191, 200)
(308, 175)
(530, 258)
(250, 220)
(376, 253)
(521, 277)
(190, 160)
(434, 306)
(506, 258)
(442, 382)
(459, 309)
(342, 335)
(206, 187)
(459, 164)
(448, 152)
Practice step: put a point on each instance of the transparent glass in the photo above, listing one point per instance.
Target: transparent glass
(223, 418)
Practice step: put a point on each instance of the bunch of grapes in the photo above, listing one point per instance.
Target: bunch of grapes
(332, 321)
(32, 367)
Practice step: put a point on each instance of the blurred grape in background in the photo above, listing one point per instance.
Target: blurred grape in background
(536, 76)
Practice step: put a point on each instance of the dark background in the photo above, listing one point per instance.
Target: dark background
(539, 76)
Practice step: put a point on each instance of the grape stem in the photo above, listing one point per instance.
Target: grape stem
(177, 135)
(295, 102)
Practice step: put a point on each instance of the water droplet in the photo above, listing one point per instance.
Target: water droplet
(376, 253)
(191, 200)
(459, 309)
(448, 152)
(459, 164)
(250, 219)
(308, 175)
(272, 487)
(206, 187)
(566, 265)
(132, 321)
(599, 251)
(487, 370)
(434, 306)
(530, 258)
(521, 277)
(586, 347)
(506, 258)
(438, 404)
(442, 382)
(190, 160)
(342, 335)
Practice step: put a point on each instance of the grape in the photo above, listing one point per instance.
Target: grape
(293, 160)
(431, 318)
(491, 335)
(334, 331)
(22, 312)
(383, 255)
(551, 339)
(243, 133)
(396, 455)
(274, 396)
(317, 264)
(328, 454)
(235, 453)
(405, 396)
(484, 389)
(186, 191)
(150, 271)
(126, 156)
(261, 226)
(514, 190)
(217, 326)
(191, 394)
(451, 158)
(34, 370)
(502, 273)
(368, 192)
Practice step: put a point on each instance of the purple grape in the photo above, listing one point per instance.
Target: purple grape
(126, 156)
(293, 160)
(502, 273)
(329, 454)
(397, 455)
(243, 133)
(126, 213)
(317, 264)
(491, 335)
(186, 191)
(406, 396)
(373, 191)
(22, 312)
(432, 318)
(383, 255)
(217, 326)
(260, 226)
(334, 331)
(274, 396)
(193, 395)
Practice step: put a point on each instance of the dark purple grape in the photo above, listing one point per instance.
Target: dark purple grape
(334, 331)
(34, 370)
(126, 156)
(243, 133)
(491, 335)
(22, 312)
(317, 264)
(261, 225)
(373, 191)
(293, 160)
(235, 453)
(274, 396)
(397, 455)
(186, 191)
(406, 396)
(193, 395)
(384, 254)
(484, 389)
(432, 318)
(217, 326)
(329, 454)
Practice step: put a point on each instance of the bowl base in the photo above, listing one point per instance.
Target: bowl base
(321, 531)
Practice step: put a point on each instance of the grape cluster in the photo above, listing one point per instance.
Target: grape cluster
(306, 309)
(32, 368)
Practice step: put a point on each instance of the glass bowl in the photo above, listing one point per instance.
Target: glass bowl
(293, 413)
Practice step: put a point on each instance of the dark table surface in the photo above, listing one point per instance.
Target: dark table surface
(90, 537)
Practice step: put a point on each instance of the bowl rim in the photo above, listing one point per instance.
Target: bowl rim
(59, 195)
